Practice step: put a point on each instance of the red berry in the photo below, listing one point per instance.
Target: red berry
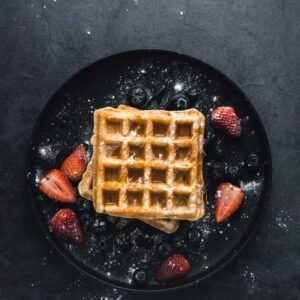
(226, 119)
(227, 201)
(65, 224)
(175, 266)
(57, 186)
(75, 164)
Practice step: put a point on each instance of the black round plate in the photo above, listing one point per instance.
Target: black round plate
(67, 120)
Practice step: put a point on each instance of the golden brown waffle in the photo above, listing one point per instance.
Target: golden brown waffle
(85, 189)
(148, 164)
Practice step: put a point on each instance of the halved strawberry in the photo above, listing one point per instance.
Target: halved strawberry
(57, 186)
(65, 224)
(227, 201)
(75, 164)
(175, 266)
(225, 118)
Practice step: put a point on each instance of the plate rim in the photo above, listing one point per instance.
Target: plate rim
(160, 289)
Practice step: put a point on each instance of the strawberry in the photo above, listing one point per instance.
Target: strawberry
(57, 186)
(65, 224)
(225, 118)
(227, 201)
(175, 266)
(75, 164)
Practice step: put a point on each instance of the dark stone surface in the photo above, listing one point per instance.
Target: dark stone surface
(256, 43)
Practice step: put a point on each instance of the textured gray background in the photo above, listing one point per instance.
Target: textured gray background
(256, 43)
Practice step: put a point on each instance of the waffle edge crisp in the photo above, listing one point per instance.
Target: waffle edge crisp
(86, 190)
(148, 164)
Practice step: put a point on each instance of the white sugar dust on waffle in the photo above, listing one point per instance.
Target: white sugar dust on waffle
(86, 190)
(148, 165)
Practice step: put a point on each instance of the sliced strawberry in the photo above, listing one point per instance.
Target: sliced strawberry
(65, 224)
(75, 164)
(175, 266)
(227, 201)
(57, 186)
(225, 118)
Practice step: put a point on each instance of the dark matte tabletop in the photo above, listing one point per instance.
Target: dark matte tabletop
(256, 43)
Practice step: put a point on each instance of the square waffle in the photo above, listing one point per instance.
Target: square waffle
(86, 190)
(148, 164)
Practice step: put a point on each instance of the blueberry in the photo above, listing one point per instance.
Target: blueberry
(140, 276)
(216, 170)
(100, 226)
(219, 148)
(233, 171)
(252, 162)
(194, 235)
(105, 243)
(137, 96)
(144, 240)
(122, 241)
(178, 102)
(178, 241)
(164, 250)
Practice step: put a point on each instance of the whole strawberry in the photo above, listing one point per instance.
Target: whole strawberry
(75, 164)
(226, 119)
(228, 199)
(65, 224)
(176, 266)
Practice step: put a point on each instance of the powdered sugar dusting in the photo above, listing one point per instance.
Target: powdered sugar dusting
(38, 176)
(283, 220)
(250, 186)
(178, 87)
(250, 278)
(87, 29)
(181, 14)
(117, 265)
(108, 294)
(45, 151)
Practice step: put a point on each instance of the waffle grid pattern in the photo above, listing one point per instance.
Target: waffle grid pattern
(146, 163)
(86, 191)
